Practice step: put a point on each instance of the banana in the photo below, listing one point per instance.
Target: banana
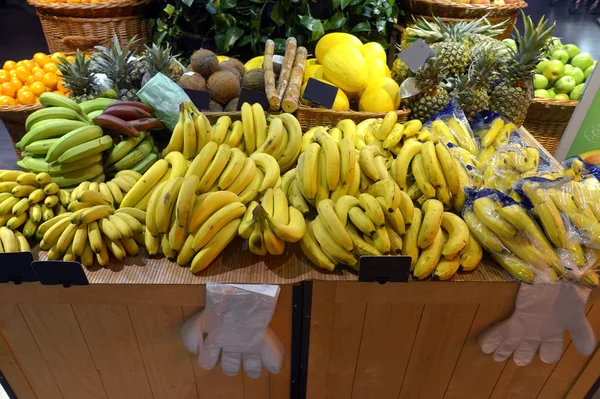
(137, 155)
(471, 256)
(243, 178)
(215, 222)
(290, 153)
(7, 187)
(464, 181)
(22, 241)
(7, 205)
(202, 161)
(236, 134)
(120, 150)
(215, 246)
(97, 104)
(9, 240)
(93, 197)
(395, 241)
(215, 169)
(53, 233)
(446, 269)
(256, 242)
(49, 129)
(329, 217)
(433, 212)
(492, 133)
(382, 240)
(287, 179)
(71, 140)
(372, 209)
(360, 219)
(361, 246)
(280, 206)
(80, 239)
(122, 226)
(449, 167)
(186, 254)
(396, 219)
(329, 246)
(202, 127)
(366, 160)
(152, 243)
(189, 136)
(86, 149)
(45, 114)
(332, 157)
(251, 191)
(233, 168)
(388, 190)
(16, 221)
(130, 246)
(92, 214)
(394, 137)
(106, 193)
(273, 244)
(290, 232)
(380, 164)
(47, 213)
(458, 235)
(145, 184)
(349, 130)
(433, 169)
(486, 210)
(166, 248)
(66, 238)
(9, 175)
(309, 167)
(312, 250)
(5, 196)
(343, 206)
(482, 233)
(44, 227)
(176, 141)
(389, 121)
(248, 124)
(421, 177)
(462, 135)
(220, 128)
(297, 199)
(322, 189)
(151, 213)
(20, 207)
(166, 204)
(21, 191)
(29, 228)
(186, 199)
(28, 179)
(269, 167)
(247, 224)
(429, 256)
(116, 248)
(440, 130)
(211, 203)
(115, 192)
(347, 159)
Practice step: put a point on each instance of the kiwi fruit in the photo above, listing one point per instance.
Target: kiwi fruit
(231, 105)
(224, 86)
(204, 62)
(214, 106)
(254, 80)
(192, 80)
(232, 64)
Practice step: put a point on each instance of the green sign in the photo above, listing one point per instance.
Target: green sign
(587, 141)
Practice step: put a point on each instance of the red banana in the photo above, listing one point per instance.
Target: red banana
(146, 124)
(137, 104)
(112, 123)
(127, 112)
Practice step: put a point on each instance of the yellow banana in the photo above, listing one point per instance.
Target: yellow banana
(166, 204)
(458, 235)
(429, 256)
(215, 169)
(80, 239)
(145, 184)
(446, 269)
(372, 209)
(215, 246)
(421, 178)
(462, 135)
(332, 156)
(217, 221)
(244, 178)
(433, 212)
(233, 168)
(248, 124)
(189, 136)
(484, 235)
(269, 167)
(486, 210)
(22, 241)
(66, 238)
(326, 210)
(471, 256)
(178, 164)
(329, 246)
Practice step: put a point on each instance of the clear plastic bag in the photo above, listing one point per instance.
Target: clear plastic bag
(451, 126)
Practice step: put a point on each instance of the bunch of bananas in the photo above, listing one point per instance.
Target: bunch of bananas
(27, 199)
(269, 225)
(132, 153)
(191, 228)
(113, 190)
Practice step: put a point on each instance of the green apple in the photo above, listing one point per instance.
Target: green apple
(582, 61)
(577, 74)
(566, 84)
(542, 93)
(561, 97)
(587, 72)
(554, 70)
(541, 65)
(560, 55)
(576, 93)
(568, 67)
(551, 92)
(556, 41)
(540, 81)
(510, 43)
(572, 49)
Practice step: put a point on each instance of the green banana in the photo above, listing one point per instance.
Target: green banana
(97, 104)
(94, 114)
(144, 164)
(38, 165)
(136, 155)
(40, 147)
(49, 129)
(72, 139)
(86, 149)
(58, 100)
(52, 113)
(123, 148)
(74, 178)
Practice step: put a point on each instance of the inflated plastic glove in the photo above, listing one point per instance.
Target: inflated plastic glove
(235, 322)
(542, 314)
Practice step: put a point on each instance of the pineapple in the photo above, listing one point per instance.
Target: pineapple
(433, 96)
(400, 71)
(158, 59)
(119, 67)
(78, 77)
(512, 98)
(471, 91)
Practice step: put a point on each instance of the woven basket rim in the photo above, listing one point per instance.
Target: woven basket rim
(107, 5)
(478, 7)
(96, 20)
(555, 103)
(19, 108)
(338, 112)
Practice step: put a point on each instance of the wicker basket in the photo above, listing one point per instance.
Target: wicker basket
(311, 117)
(455, 12)
(547, 121)
(14, 118)
(69, 27)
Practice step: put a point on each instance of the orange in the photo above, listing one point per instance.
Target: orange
(60, 86)
(4, 76)
(17, 83)
(70, 58)
(50, 80)
(8, 89)
(22, 64)
(37, 88)
(56, 56)
(30, 80)
(37, 69)
(6, 100)
(9, 65)
(41, 59)
(29, 64)
(13, 73)
(22, 73)
(50, 67)
(25, 97)
(38, 76)
(37, 100)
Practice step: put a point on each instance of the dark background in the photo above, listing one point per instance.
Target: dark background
(21, 36)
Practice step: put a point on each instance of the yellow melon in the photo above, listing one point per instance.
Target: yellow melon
(377, 69)
(254, 63)
(374, 50)
(313, 71)
(340, 103)
(332, 39)
(345, 67)
(312, 61)
(381, 95)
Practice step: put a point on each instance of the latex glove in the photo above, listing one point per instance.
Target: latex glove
(542, 314)
(235, 322)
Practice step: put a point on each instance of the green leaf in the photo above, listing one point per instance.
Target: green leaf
(169, 9)
(336, 3)
(317, 31)
(225, 4)
(335, 22)
(224, 22)
(362, 27)
(380, 25)
(220, 42)
(344, 4)
(161, 37)
(212, 8)
(278, 14)
(245, 40)
(232, 35)
(188, 2)
(279, 45)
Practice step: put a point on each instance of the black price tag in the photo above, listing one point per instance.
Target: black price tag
(56, 272)
(251, 97)
(320, 93)
(16, 267)
(416, 55)
(383, 269)
(201, 99)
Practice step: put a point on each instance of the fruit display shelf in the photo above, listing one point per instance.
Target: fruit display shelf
(547, 120)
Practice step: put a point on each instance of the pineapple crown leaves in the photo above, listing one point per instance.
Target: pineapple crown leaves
(158, 58)
(487, 58)
(77, 74)
(115, 62)
(484, 27)
(430, 74)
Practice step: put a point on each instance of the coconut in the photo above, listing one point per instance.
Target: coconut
(254, 80)
(224, 86)
(192, 80)
(214, 106)
(204, 62)
(231, 105)
(230, 68)
(233, 64)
